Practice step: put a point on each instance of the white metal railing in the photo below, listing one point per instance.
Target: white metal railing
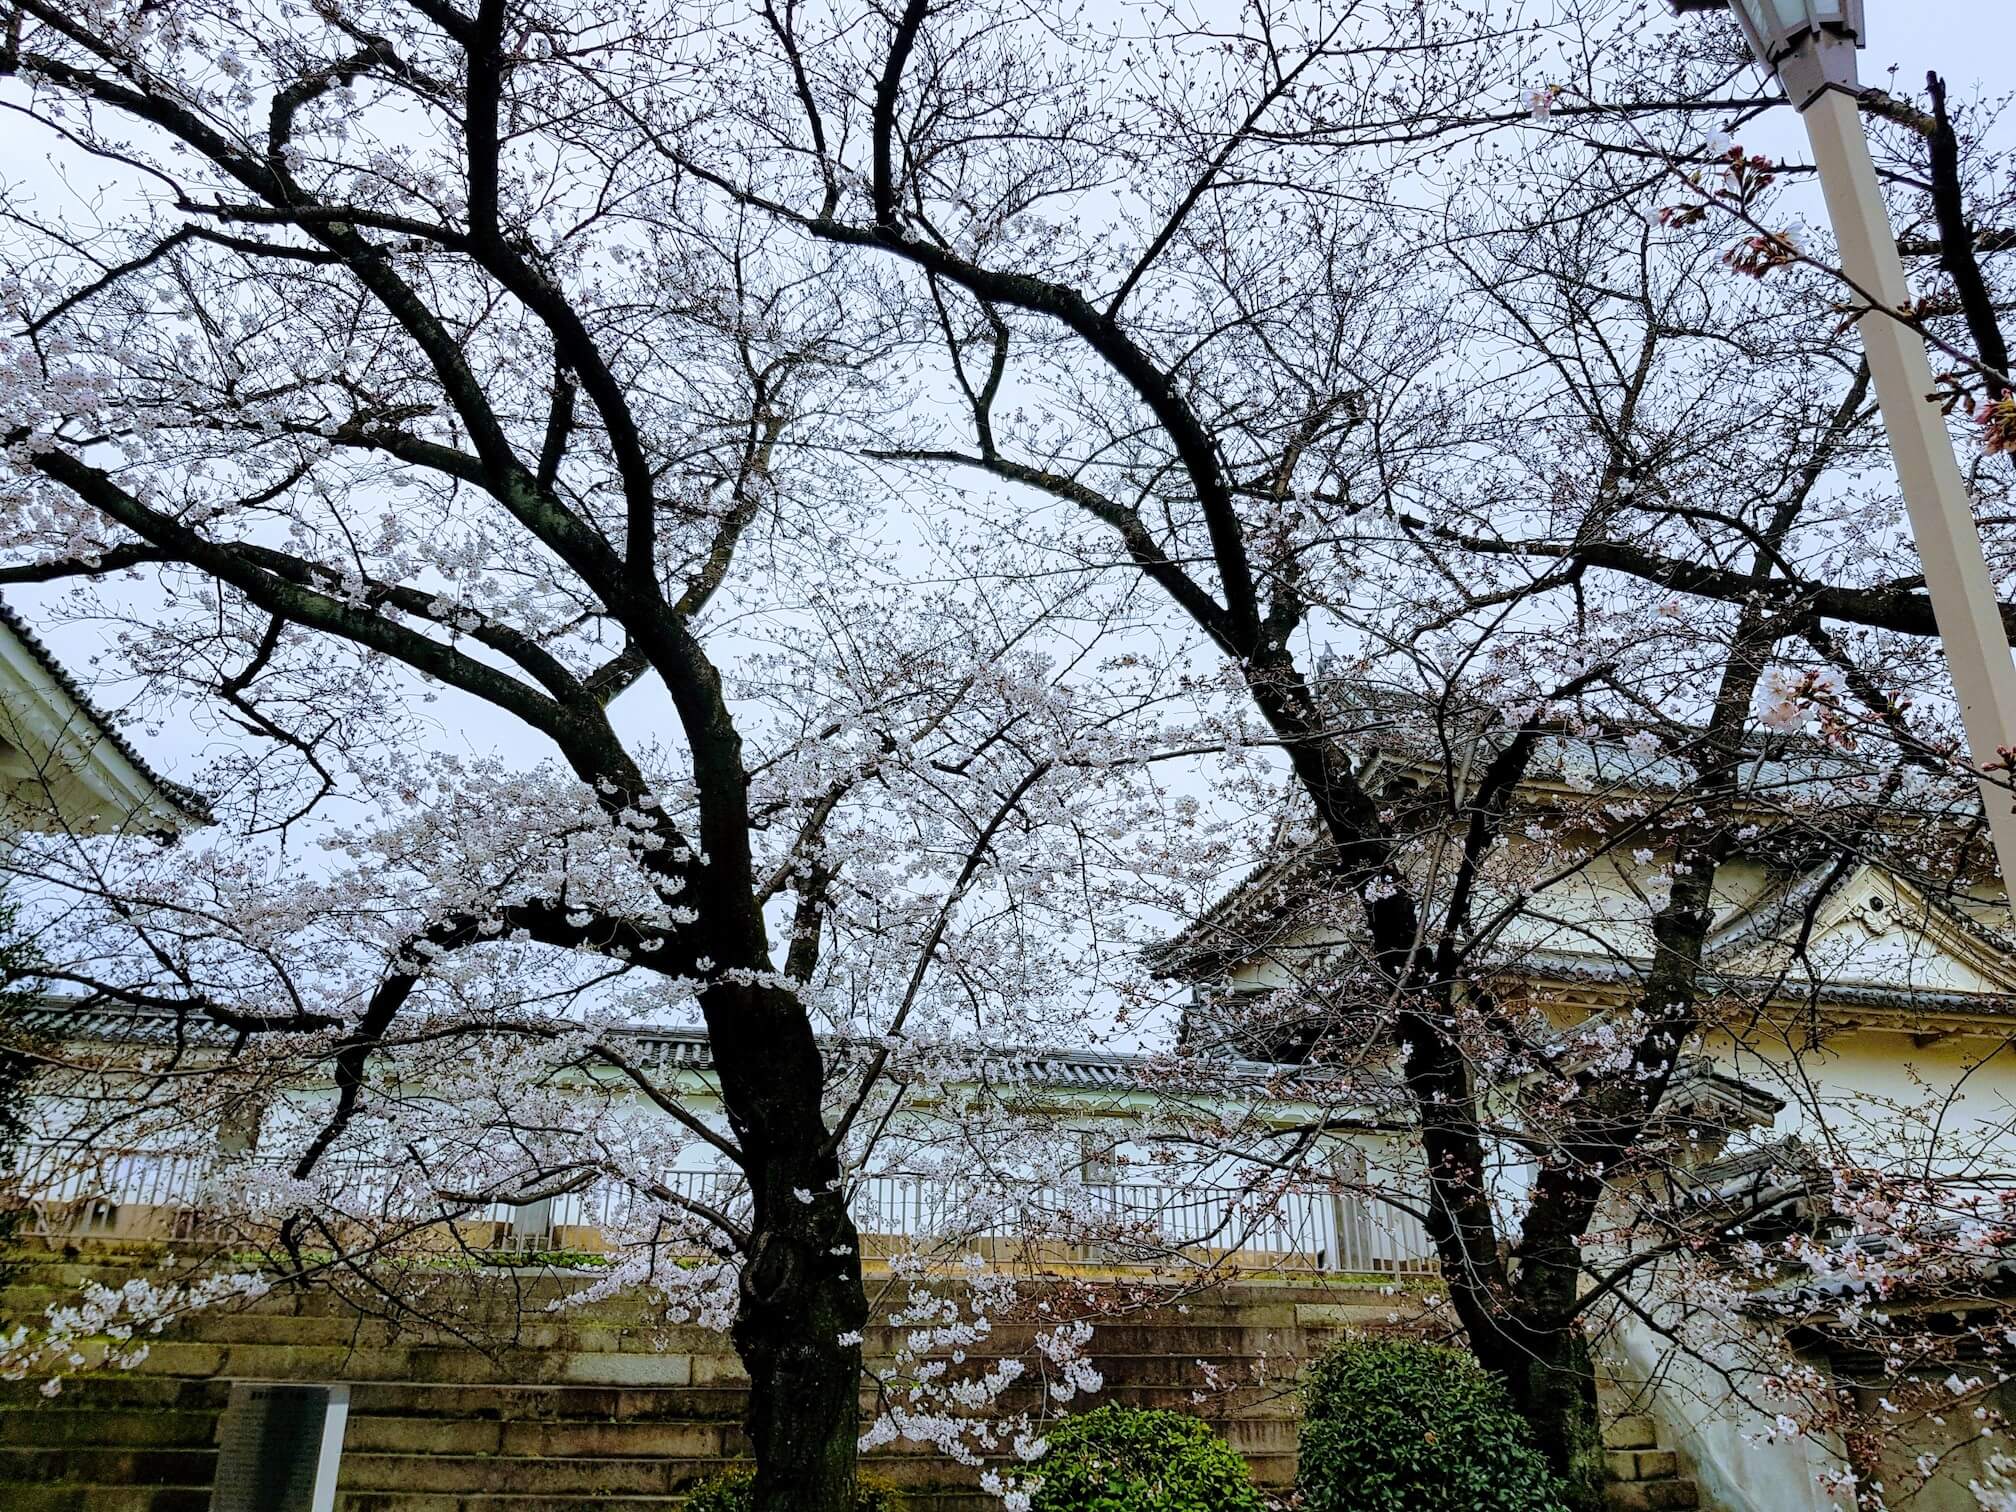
(174, 1193)
(1292, 1229)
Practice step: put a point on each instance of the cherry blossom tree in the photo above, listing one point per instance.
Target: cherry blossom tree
(391, 384)
(1517, 468)
(852, 454)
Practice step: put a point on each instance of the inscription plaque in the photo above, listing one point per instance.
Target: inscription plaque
(278, 1447)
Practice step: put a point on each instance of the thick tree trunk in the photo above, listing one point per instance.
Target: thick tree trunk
(1523, 1329)
(1553, 1385)
(802, 1306)
(801, 1297)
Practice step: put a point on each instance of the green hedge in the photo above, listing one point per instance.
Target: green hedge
(1123, 1459)
(1400, 1426)
(730, 1493)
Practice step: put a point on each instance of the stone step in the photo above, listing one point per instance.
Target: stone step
(105, 1498)
(197, 1499)
(602, 1409)
(498, 1315)
(1635, 1432)
(581, 1463)
(94, 1393)
(538, 1285)
(422, 1362)
(1620, 1398)
(914, 1500)
(86, 1397)
(1645, 1476)
(369, 1434)
(1266, 1304)
(495, 1475)
(426, 1364)
(114, 1428)
(1642, 1464)
(1654, 1496)
(118, 1258)
(468, 1476)
(1301, 1328)
(73, 1498)
(727, 1403)
(539, 1335)
(94, 1465)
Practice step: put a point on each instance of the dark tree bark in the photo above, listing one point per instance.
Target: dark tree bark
(1957, 242)
(801, 1290)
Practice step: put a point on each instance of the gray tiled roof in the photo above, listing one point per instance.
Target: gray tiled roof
(687, 1048)
(124, 1026)
(1394, 730)
(1400, 725)
(1561, 965)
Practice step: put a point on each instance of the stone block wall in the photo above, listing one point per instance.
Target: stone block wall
(601, 1408)
(598, 1407)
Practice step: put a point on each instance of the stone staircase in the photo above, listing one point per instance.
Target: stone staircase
(1644, 1476)
(595, 1408)
(600, 1410)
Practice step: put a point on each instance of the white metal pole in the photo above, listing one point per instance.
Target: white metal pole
(1942, 517)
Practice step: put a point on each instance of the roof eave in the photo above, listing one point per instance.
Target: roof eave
(61, 731)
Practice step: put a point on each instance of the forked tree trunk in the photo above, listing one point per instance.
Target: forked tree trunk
(1524, 1332)
(1522, 1324)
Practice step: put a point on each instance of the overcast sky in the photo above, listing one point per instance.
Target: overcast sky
(1971, 42)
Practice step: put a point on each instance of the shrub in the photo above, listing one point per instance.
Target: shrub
(1399, 1426)
(1122, 1459)
(730, 1493)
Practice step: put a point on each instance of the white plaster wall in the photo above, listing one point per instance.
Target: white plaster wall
(1716, 1433)
(1948, 1103)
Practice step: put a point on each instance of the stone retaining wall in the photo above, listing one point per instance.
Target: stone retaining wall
(599, 1407)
